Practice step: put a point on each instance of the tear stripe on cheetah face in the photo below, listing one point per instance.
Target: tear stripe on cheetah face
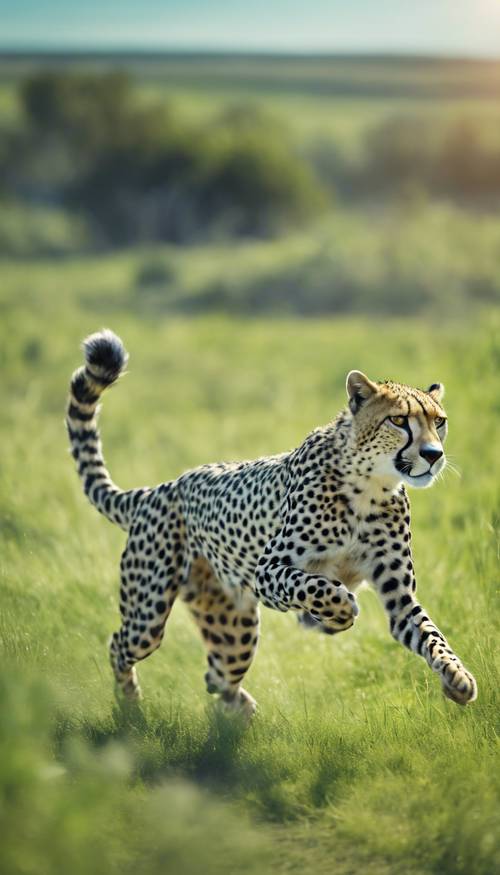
(297, 531)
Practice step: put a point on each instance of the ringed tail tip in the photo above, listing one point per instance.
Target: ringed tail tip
(105, 357)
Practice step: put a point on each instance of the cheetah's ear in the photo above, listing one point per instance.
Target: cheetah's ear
(359, 389)
(437, 391)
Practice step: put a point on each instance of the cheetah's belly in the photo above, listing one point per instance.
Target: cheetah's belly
(344, 565)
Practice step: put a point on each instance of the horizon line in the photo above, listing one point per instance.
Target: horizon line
(189, 51)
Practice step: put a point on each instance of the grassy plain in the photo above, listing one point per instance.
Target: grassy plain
(337, 96)
(354, 762)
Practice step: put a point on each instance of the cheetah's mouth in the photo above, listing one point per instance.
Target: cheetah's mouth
(404, 467)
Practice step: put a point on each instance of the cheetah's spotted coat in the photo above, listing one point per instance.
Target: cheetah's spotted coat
(298, 531)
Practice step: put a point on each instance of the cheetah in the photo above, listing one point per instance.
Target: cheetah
(298, 531)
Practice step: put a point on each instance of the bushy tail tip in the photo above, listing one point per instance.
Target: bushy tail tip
(105, 357)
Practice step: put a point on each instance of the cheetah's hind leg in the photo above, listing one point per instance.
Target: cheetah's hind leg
(230, 629)
(147, 595)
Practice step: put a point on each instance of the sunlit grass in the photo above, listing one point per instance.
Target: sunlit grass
(416, 257)
(354, 762)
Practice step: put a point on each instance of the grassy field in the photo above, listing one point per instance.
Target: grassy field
(354, 763)
(415, 258)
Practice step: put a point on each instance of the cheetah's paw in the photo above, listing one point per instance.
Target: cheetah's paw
(459, 685)
(241, 703)
(337, 609)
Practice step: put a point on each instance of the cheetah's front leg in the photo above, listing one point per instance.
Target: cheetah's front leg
(412, 627)
(281, 585)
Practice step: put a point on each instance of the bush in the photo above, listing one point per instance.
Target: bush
(141, 173)
(468, 164)
(254, 185)
(400, 151)
(154, 272)
(457, 157)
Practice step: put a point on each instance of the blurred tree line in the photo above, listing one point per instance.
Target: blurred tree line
(139, 173)
(123, 169)
(456, 158)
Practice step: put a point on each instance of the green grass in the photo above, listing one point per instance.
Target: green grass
(355, 762)
(416, 257)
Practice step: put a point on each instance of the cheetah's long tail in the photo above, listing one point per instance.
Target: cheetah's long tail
(105, 360)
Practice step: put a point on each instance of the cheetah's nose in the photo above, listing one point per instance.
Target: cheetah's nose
(430, 453)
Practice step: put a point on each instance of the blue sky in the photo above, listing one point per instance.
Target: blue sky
(470, 27)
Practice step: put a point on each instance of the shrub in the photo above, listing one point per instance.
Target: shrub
(141, 173)
(154, 272)
(254, 185)
(459, 157)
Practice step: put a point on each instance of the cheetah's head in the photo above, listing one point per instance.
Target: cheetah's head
(399, 430)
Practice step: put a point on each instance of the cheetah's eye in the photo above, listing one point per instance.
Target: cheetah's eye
(400, 421)
(439, 421)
